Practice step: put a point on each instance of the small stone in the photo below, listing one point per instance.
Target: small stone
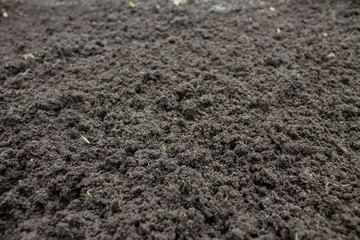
(171, 40)
(219, 9)
(89, 193)
(272, 9)
(179, 2)
(331, 55)
(27, 56)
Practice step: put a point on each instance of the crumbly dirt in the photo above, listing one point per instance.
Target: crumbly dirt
(178, 122)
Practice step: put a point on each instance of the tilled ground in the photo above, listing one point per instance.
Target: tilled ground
(179, 122)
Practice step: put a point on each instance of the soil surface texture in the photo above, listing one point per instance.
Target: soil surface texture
(169, 120)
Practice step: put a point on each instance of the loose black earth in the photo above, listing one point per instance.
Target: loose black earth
(180, 122)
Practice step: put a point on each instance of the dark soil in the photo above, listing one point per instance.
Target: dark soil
(176, 122)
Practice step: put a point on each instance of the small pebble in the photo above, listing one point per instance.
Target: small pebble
(331, 55)
(179, 2)
(28, 56)
(219, 9)
(171, 40)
